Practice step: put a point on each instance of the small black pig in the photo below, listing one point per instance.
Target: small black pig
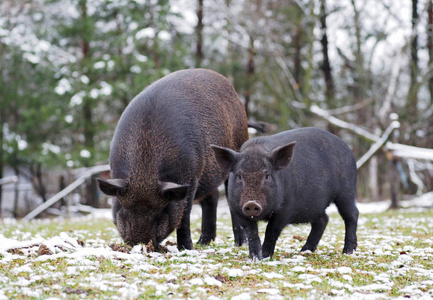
(161, 159)
(272, 179)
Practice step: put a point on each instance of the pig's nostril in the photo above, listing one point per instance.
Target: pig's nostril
(252, 209)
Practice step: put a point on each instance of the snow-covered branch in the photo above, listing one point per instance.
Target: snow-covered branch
(397, 150)
(9, 179)
(343, 124)
(379, 144)
(407, 151)
(79, 181)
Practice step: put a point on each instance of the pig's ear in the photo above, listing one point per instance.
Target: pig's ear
(281, 156)
(113, 187)
(173, 191)
(226, 158)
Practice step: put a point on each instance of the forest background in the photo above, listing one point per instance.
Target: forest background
(69, 68)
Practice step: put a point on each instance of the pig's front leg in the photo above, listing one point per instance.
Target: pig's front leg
(238, 231)
(273, 231)
(254, 243)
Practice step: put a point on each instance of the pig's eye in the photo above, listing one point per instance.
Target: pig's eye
(267, 176)
(238, 177)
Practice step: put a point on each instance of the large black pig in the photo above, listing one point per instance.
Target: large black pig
(291, 178)
(161, 159)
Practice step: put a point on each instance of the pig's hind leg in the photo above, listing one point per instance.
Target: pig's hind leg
(317, 228)
(349, 212)
(209, 217)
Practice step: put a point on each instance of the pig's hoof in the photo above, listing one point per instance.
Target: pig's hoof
(256, 258)
(267, 254)
(308, 248)
(205, 240)
(349, 250)
(184, 245)
(240, 239)
(346, 251)
(240, 243)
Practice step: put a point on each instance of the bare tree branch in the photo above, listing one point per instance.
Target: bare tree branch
(399, 150)
(343, 124)
(378, 145)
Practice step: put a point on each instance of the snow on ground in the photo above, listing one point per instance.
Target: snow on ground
(200, 272)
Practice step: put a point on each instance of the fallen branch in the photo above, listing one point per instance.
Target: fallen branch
(79, 181)
(9, 179)
(378, 145)
(398, 150)
(343, 124)
(350, 108)
(407, 151)
(414, 177)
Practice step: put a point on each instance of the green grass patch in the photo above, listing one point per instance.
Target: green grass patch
(84, 258)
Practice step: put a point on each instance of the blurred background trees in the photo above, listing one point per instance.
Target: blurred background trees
(69, 68)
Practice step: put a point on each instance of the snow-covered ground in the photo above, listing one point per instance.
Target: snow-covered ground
(391, 250)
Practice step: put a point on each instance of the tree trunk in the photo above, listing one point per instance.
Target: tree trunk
(394, 184)
(326, 65)
(91, 192)
(2, 121)
(359, 76)
(88, 130)
(16, 195)
(297, 61)
(373, 180)
(412, 97)
(394, 176)
(229, 60)
(84, 43)
(249, 76)
(430, 60)
(1, 154)
(307, 75)
(88, 124)
(154, 52)
(38, 182)
(199, 32)
(62, 185)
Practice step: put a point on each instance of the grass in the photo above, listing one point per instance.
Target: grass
(394, 259)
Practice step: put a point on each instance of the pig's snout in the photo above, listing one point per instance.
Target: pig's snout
(252, 209)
